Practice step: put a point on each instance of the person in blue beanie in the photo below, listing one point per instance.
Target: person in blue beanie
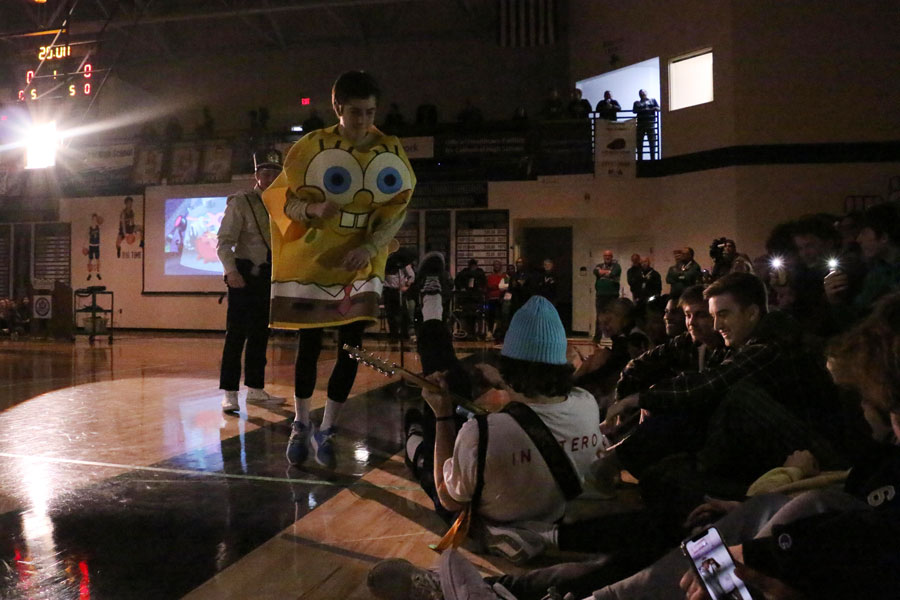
(518, 485)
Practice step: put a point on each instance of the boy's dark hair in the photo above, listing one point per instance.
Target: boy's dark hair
(532, 379)
(883, 219)
(746, 288)
(432, 264)
(781, 239)
(354, 84)
(819, 225)
(692, 295)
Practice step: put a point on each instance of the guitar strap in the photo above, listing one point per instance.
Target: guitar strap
(259, 229)
(559, 464)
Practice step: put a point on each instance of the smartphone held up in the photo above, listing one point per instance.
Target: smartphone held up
(714, 566)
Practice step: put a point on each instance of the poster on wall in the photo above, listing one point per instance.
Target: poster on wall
(185, 166)
(148, 166)
(107, 239)
(216, 162)
(614, 148)
(42, 306)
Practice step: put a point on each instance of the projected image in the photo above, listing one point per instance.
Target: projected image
(191, 225)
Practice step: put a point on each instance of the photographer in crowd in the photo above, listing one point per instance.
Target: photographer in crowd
(726, 259)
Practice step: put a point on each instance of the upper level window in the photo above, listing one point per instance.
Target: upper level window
(691, 79)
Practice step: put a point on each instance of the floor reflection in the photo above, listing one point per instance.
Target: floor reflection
(160, 531)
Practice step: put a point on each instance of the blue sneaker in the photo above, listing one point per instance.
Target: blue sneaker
(323, 446)
(298, 444)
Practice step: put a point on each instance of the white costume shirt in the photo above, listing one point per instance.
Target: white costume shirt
(518, 485)
(240, 234)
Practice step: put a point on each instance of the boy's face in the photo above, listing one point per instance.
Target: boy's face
(734, 322)
(357, 115)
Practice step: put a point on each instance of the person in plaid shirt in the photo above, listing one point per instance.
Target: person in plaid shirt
(766, 399)
(695, 350)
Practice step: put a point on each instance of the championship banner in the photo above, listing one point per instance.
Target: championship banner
(97, 169)
(614, 148)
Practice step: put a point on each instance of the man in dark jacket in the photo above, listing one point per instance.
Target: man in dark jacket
(649, 283)
(684, 273)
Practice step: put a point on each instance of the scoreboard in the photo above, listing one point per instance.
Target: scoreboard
(62, 71)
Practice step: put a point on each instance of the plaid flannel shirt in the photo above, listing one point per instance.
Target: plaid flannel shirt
(777, 365)
(678, 355)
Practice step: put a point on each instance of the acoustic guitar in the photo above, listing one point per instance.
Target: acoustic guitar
(464, 407)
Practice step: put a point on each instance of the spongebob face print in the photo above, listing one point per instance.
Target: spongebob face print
(371, 188)
(358, 188)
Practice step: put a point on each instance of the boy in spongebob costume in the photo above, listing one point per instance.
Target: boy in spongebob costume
(334, 212)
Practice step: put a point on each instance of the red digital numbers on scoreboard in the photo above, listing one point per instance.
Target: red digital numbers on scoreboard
(72, 90)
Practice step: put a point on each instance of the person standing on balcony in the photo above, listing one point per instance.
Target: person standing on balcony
(608, 107)
(646, 108)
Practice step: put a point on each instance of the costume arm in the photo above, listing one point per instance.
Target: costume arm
(384, 232)
(229, 232)
(295, 208)
(699, 390)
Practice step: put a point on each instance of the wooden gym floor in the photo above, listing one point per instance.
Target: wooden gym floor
(121, 478)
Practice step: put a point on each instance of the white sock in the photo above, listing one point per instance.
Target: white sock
(432, 307)
(301, 410)
(412, 444)
(332, 410)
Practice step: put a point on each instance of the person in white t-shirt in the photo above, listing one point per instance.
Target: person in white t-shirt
(518, 485)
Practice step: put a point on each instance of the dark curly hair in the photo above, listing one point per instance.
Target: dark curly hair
(868, 356)
(537, 379)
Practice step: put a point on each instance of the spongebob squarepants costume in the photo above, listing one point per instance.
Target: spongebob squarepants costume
(372, 186)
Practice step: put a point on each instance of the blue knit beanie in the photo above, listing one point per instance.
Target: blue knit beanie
(536, 334)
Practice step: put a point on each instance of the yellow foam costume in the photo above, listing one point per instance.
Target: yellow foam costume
(372, 186)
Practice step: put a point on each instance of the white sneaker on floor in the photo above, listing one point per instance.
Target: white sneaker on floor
(261, 395)
(230, 402)
(517, 542)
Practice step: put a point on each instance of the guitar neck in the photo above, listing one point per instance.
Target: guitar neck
(464, 406)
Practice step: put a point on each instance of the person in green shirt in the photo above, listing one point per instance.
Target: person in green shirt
(606, 283)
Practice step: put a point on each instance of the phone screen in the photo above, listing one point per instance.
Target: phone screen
(715, 567)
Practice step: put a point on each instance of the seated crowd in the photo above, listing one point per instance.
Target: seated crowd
(761, 397)
(15, 317)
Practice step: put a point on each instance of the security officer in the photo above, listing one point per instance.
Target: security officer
(244, 249)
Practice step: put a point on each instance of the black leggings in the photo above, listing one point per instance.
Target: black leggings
(344, 373)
